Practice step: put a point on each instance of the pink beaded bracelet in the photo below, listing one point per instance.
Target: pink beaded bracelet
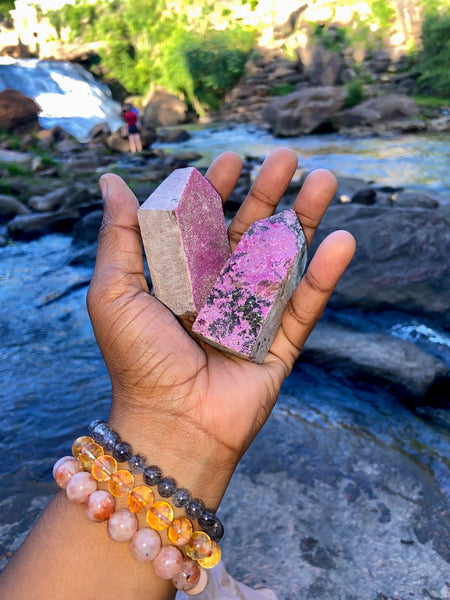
(79, 476)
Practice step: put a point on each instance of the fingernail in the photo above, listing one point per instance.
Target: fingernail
(104, 187)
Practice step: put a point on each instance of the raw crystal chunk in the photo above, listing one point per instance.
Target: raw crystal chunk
(243, 310)
(185, 239)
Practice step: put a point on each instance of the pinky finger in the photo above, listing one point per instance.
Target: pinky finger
(310, 297)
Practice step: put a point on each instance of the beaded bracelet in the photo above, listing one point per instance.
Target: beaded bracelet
(194, 508)
(72, 474)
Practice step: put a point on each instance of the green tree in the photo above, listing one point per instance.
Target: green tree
(433, 62)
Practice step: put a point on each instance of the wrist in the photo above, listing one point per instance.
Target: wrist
(181, 450)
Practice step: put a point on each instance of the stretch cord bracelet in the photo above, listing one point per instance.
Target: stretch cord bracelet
(103, 434)
(80, 475)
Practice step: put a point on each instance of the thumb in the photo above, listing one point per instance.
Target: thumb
(119, 261)
(119, 242)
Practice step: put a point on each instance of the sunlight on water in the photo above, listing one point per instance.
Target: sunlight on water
(420, 332)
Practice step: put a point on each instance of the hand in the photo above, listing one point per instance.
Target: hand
(189, 408)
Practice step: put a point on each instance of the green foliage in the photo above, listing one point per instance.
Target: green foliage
(433, 60)
(332, 38)
(17, 170)
(355, 93)
(203, 66)
(5, 7)
(143, 43)
(283, 89)
(383, 14)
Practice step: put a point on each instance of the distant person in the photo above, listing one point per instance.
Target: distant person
(132, 121)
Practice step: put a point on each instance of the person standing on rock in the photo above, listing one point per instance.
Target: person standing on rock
(131, 118)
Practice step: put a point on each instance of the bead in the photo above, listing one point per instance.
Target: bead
(167, 487)
(168, 562)
(64, 469)
(199, 546)
(121, 483)
(137, 463)
(94, 424)
(103, 467)
(194, 508)
(160, 515)
(152, 475)
(98, 429)
(103, 434)
(207, 518)
(88, 454)
(213, 557)
(122, 525)
(145, 544)
(140, 497)
(80, 486)
(122, 452)
(201, 585)
(79, 443)
(188, 576)
(181, 497)
(180, 531)
(100, 505)
(216, 530)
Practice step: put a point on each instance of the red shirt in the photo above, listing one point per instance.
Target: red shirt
(130, 117)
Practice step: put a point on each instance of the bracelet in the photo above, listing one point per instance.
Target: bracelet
(80, 474)
(103, 434)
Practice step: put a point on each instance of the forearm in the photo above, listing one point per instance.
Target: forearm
(69, 556)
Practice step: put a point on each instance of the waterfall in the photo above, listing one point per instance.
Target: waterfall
(68, 95)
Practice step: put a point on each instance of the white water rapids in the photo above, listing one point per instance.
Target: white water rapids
(68, 95)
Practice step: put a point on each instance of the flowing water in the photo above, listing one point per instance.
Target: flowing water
(68, 95)
(54, 382)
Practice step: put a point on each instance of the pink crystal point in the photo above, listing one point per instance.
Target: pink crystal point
(185, 239)
(243, 310)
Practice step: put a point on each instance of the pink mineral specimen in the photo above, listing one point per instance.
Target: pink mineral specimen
(185, 239)
(243, 310)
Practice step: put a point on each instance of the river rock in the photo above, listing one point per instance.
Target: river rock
(10, 207)
(86, 230)
(163, 109)
(303, 112)
(414, 198)
(49, 202)
(401, 259)
(30, 227)
(18, 113)
(115, 141)
(325, 68)
(375, 358)
(395, 108)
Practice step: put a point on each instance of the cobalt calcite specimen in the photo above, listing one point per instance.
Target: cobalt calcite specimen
(185, 239)
(243, 310)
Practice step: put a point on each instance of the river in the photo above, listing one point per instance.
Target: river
(345, 492)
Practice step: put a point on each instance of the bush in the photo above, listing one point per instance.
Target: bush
(355, 93)
(203, 66)
(434, 57)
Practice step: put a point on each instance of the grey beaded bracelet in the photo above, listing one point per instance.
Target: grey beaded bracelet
(122, 451)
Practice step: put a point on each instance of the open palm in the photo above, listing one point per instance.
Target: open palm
(169, 390)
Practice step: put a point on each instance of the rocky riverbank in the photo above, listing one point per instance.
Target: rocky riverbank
(401, 263)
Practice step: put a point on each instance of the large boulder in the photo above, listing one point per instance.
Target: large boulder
(10, 207)
(376, 358)
(306, 111)
(401, 259)
(163, 109)
(18, 113)
(33, 226)
(393, 109)
(325, 68)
